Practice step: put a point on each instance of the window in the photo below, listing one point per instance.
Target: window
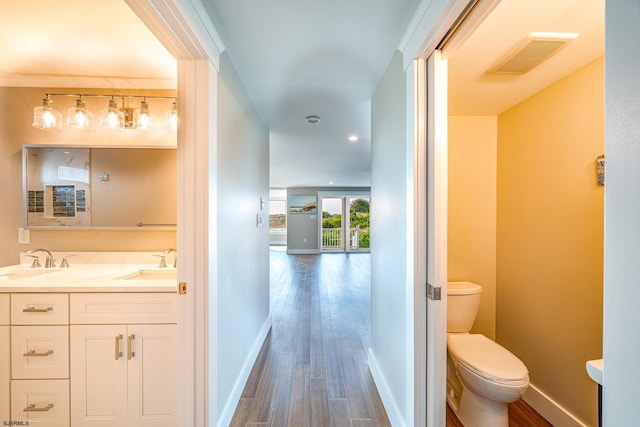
(277, 209)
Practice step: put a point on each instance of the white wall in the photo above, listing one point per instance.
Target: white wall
(388, 238)
(622, 214)
(243, 248)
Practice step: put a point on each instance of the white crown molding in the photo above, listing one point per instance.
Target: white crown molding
(185, 29)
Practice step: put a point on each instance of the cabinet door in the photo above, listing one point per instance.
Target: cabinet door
(4, 373)
(153, 372)
(98, 375)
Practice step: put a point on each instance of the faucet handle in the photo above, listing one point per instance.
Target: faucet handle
(163, 263)
(65, 262)
(36, 261)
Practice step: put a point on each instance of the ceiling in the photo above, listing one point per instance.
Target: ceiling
(295, 59)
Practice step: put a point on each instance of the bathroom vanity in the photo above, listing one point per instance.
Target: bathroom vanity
(90, 345)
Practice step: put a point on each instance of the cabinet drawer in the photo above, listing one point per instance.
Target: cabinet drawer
(123, 308)
(39, 309)
(4, 309)
(39, 352)
(40, 402)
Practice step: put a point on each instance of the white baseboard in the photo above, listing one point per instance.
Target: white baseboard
(550, 409)
(236, 392)
(302, 251)
(395, 416)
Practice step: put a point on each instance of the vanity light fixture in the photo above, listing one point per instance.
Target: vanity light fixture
(112, 117)
(142, 117)
(79, 117)
(171, 117)
(45, 116)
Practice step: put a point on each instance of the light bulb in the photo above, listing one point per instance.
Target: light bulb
(111, 117)
(171, 118)
(79, 117)
(142, 117)
(46, 117)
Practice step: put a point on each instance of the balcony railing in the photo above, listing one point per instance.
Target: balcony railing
(332, 239)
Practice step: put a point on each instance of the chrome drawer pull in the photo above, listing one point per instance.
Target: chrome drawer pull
(33, 353)
(32, 408)
(37, 310)
(130, 352)
(118, 352)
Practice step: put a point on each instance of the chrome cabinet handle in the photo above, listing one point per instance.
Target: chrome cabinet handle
(33, 408)
(118, 352)
(130, 352)
(33, 353)
(37, 310)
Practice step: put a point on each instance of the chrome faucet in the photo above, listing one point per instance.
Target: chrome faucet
(175, 256)
(49, 262)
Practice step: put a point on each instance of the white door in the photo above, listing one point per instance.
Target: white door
(98, 375)
(152, 355)
(437, 111)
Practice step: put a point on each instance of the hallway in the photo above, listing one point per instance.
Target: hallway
(312, 369)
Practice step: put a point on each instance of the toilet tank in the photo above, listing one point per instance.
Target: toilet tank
(463, 299)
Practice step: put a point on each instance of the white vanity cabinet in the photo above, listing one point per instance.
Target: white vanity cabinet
(5, 365)
(123, 359)
(39, 351)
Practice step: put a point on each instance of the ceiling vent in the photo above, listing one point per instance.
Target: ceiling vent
(531, 52)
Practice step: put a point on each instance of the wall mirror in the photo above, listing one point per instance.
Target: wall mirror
(105, 187)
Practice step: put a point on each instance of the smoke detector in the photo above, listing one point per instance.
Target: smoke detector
(531, 52)
(312, 119)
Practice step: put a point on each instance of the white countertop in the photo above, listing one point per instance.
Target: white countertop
(595, 369)
(91, 272)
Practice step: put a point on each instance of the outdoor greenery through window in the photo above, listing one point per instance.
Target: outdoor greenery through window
(358, 224)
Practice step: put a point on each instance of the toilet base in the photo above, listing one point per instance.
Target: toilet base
(477, 411)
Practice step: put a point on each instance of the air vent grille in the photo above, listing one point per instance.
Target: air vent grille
(528, 55)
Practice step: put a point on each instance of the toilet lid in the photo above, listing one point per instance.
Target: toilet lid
(487, 358)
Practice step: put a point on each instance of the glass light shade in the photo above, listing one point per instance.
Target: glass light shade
(142, 117)
(171, 118)
(46, 117)
(111, 117)
(79, 117)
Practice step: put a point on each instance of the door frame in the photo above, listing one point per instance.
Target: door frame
(186, 32)
(435, 26)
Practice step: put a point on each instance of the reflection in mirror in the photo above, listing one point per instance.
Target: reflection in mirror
(99, 187)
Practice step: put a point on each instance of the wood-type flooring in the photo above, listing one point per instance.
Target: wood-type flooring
(312, 369)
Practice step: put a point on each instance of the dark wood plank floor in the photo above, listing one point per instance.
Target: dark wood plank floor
(520, 415)
(312, 369)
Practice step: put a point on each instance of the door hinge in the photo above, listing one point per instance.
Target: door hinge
(182, 288)
(434, 293)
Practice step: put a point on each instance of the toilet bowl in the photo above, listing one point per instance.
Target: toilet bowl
(482, 376)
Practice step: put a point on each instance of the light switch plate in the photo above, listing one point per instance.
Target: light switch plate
(24, 236)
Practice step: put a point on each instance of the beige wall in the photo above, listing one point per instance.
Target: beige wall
(472, 211)
(16, 113)
(550, 236)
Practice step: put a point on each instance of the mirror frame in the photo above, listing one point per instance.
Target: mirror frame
(25, 198)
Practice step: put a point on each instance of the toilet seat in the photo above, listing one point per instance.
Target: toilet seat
(487, 359)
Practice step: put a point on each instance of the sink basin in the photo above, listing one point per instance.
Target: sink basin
(151, 274)
(23, 274)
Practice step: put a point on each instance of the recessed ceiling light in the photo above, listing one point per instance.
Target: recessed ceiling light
(312, 119)
(330, 182)
(353, 138)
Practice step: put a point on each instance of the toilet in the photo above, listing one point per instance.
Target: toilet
(482, 376)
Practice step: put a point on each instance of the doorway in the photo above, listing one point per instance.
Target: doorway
(344, 226)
